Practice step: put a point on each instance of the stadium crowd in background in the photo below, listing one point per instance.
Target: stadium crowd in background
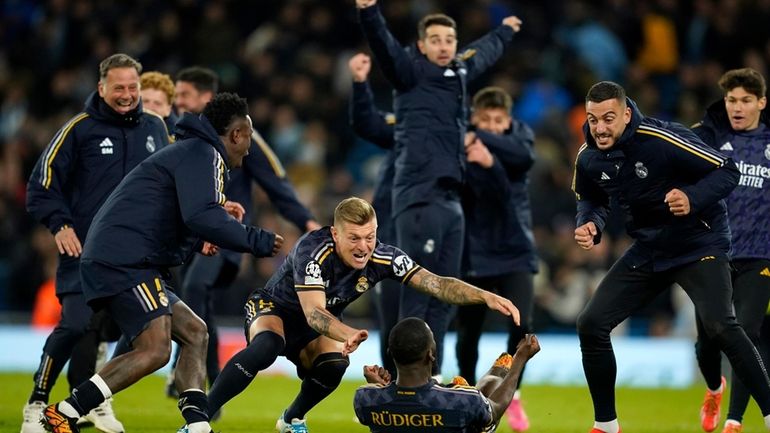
(289, 59)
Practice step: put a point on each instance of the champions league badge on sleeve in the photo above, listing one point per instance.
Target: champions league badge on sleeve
(313, 273)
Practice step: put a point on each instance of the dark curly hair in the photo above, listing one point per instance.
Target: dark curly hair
(221, 110)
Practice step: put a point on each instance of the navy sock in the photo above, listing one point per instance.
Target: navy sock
(323, 378)
(85, 397)
(241, 369)
(194, 406)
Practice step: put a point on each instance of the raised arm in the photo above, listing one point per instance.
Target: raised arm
(395, 62)
(367, 122)
(454, 291)
(482, 53)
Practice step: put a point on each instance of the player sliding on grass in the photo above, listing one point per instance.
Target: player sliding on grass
(415, 400)
(296, 314)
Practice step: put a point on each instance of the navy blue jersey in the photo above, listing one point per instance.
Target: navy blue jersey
(749, 204)
(313, 264)
(428, 408)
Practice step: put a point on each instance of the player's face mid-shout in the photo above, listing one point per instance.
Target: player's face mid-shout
(120, 89)
(355, 243)
(743, 109)
(607, 120)
(439, 44)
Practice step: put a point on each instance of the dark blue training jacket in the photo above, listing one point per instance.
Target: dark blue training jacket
(85, 161)
(376, 127)
(651, 158)
(749, 204)
(498, 219)
(168, 203)
(431, 108)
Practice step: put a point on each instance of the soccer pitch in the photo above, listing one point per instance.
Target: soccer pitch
(143, 408)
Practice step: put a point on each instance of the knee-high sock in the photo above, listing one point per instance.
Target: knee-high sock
(323, 378)
(241, 369)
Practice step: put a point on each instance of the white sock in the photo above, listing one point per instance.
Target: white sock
(767, 421)
(102, 385)
(731, 422)
(199, 427)
(68, 410)
(608, 426)
(517, 395)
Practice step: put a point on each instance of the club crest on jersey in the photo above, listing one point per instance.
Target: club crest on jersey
(402, 265)
(767, 151)
(150, 144)
(362, 285)
(313, 273)
(640, 170)
(163, 298)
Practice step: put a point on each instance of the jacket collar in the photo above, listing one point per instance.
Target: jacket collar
(99, 110)
(192, 126)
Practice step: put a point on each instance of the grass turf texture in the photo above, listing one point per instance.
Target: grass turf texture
(143, 408)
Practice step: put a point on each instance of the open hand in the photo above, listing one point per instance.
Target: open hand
(352, 343)
(67, 242)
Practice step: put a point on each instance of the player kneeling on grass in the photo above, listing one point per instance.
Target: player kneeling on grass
(296, 314)
(415, 400)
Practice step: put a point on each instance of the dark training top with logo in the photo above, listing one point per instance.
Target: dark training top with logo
(313, 264)
(158, 215)
(749, 204)
(429, 408)
(85, 161)
(650, 159)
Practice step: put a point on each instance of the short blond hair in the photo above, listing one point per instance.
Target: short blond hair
(353, 210)
(159, 81)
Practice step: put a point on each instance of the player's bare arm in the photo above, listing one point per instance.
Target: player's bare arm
(454, 291)
(325, 323)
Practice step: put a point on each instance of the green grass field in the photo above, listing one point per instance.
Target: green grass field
(143, 408)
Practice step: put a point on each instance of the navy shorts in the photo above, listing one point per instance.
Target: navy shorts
(133, 309)
(296, 332)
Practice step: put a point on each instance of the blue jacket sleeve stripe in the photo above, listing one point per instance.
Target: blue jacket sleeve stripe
(53, 148)
(219, 180)
(703, 152)
(574, 171)
(274, 162)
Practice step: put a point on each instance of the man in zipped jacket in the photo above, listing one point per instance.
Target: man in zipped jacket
(670, 187)
(430, 103)
(154, 220)
(82, 165)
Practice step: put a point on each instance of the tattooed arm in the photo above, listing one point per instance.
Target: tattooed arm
(325, 323)
(453, 291)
